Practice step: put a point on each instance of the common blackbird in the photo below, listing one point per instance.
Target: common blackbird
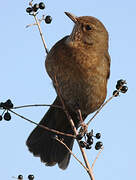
(80, 63)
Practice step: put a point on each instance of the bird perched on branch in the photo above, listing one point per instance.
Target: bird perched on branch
(80, 63)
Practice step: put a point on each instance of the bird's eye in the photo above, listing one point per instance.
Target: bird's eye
(88, 27)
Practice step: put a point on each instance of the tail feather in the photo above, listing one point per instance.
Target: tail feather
(41, 142)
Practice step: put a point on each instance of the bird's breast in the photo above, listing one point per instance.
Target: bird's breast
(80, 77)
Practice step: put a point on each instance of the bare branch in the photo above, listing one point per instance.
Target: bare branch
(108, 100)
(72, 153)
(40, 31)
(90, 172)
(35, 105)
(64, 107)
(97, 156)
(40, 20)
(44, 127)
(99, 110)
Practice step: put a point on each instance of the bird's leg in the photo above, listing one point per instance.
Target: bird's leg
(83, 129)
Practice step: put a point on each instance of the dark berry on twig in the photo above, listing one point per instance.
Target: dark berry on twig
(20, 177)
(121, 82)
(115, 93)
(48, 19)
(88, 146)
(90, 141)
(8, 104)
(0, 118)
(29, 10)
(30, 177)
(118, 86)
(98, 145)
(90, 134)
(83, 144)
(7, 116)
(98, 135)
(35, 7)
(124, 89)
(41, 5)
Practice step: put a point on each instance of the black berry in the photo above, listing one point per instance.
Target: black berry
(121, 82)
(118, 86)
(7, 116)
(124, 89)
(98, 135)
(29, 10)
(48, 19)
(90, 134)
(83, 144)
(88, 146)
(35, 7)
(20, 177)
(30, 177)
(79, 136)
(8, 104)
(115, 93)
(41, 5)
(98, 145)
(90, 141)
(0, 118)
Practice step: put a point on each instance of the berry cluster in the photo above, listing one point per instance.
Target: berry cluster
(30, 177)
(89, 140)
(34, 8)
(120, 87)
(6, 106)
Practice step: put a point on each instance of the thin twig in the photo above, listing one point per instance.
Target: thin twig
(41, 34)
(64, 107)
(108, 100)
(80, 116)
(99, 109)
(97, 156)
(44, 127)
(90, 172)
(72, 153)
(84, 127)
(30, 3)
(40, 20)
(14, 177)
(35, 105)
(29, 25)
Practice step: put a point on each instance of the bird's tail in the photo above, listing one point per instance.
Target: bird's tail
(41, 142)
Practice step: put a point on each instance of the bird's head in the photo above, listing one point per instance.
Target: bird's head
(88, 30)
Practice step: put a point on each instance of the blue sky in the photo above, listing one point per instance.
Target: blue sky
(24, 81)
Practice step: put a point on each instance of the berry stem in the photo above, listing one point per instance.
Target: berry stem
(90, 171)
(44, 127)
(36, 105)
(97, 156)
(3, 112)
(41, 34)
(100, 109)
(114, 95)
(72, 153)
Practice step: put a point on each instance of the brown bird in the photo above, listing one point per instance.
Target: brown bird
(81, 64)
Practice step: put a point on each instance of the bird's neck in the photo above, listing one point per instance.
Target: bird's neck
(75, 43)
